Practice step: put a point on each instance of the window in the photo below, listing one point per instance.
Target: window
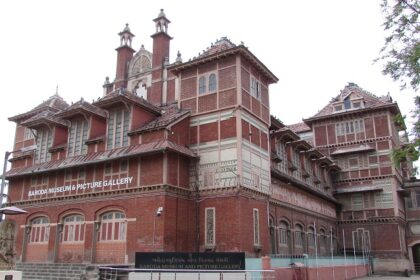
(210, 226)
(283, 238)
(353, 163)
(311, 237)
(78, 134)
(73, 229)
(212, 82)
(356, 201)
(28, 134)
(256, 227)
(40, 230)
(202, 85)
(298, 236)
(207, 83)
(43, 144)
(113, 227)
(338, 108)
(418, 198)
(349, 127)
(117, 129)
(347, 103)
(408, 202)
(255, 88)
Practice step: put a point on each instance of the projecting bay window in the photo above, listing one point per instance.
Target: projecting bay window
(78, 134)
(118, 124)
(210, 228)
(43, 144)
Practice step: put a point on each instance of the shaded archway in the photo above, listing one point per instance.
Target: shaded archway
(416, 258)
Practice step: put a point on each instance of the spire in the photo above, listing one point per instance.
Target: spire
(161, 22)
(126, 36)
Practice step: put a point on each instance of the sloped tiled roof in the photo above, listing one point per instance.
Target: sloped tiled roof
(223, 48)
(220, 45)
(299, 127)
(81, 106)
(370, 101)
(169, 115)
(44, 117)
(139, 149)
(54, 104)
(125, 96)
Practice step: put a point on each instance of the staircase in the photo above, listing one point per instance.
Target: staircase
(65, 271)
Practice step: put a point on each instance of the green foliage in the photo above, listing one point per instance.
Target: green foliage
(401, 51)
(411, 150)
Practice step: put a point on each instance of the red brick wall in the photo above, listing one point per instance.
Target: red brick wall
(228, 128)
(71, 252)
(151, 170)
(140, 117)
(209, 132)
(381, 126)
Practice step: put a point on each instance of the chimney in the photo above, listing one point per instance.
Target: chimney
(124, 55)
(160, 60)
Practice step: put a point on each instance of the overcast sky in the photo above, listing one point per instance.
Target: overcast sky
(314, 47)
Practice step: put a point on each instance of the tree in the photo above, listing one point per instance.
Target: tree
(401, 51)
(410, 150)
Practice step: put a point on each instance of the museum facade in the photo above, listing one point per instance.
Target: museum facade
(185, 157)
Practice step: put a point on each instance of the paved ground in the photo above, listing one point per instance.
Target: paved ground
(377, 277)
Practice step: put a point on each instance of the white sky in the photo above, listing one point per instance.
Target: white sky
(314, 47)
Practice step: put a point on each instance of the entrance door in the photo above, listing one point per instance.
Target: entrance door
(416, 258)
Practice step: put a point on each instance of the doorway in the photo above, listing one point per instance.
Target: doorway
(416, 258)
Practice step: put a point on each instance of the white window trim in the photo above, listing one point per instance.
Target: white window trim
(206, 77)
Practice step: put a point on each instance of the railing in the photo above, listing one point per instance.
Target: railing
(119, 273)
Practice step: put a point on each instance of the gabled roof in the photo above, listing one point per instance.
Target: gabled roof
(81, 107)
(93, 158)
(370, 102)
(124, 96)
(44, 118)
(299, 127)
(54, 104)
(170, 114)
(225, 48)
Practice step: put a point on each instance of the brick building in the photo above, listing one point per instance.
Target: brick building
(185, 156)
(358, 131)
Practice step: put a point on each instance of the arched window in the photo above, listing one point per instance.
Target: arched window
(202, 85)
(298, 235)
(283, 237)
(113, 226)
(73, 229)
(40, 230)
(212, 83)
(311, 237)
(322, 241)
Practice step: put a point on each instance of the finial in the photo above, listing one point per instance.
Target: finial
(56, 90)
(142, 47)
(126, 36)
(178, 58)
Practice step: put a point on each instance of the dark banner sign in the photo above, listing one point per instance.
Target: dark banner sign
(201, 261)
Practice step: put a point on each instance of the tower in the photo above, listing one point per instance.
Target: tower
(160, 59)
(124, 55)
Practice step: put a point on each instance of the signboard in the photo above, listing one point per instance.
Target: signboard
(197, 261)
(83, 186)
